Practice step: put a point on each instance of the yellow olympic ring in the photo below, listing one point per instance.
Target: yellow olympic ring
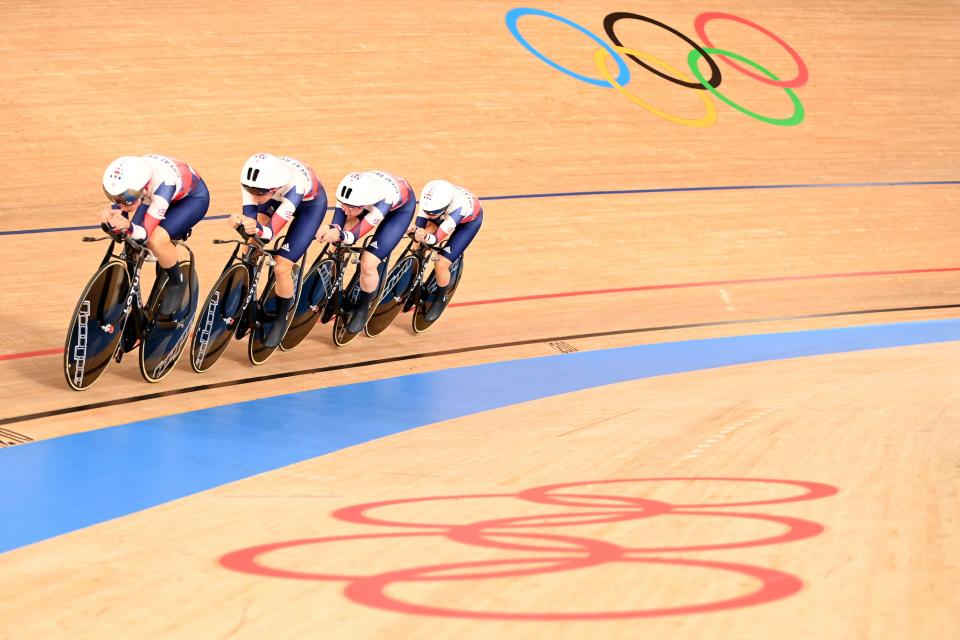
(600, 60)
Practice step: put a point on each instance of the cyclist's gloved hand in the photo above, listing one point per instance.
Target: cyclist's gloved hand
(330, 234)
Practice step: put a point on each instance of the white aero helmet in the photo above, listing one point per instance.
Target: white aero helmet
(263, 173)
(126, 179)
(358, 190)
(436, 197)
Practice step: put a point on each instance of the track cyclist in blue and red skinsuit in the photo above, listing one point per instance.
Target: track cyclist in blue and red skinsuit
(276, 191)
(165, 198)
(365, 201)
(446, 211)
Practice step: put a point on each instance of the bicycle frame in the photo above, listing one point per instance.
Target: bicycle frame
(254, 267)
(425, 253)
(133, 266)
(342, 256)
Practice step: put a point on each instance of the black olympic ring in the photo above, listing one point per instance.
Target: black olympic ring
(613, 18)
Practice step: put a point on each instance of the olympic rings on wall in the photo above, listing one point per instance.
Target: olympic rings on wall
(667, 72)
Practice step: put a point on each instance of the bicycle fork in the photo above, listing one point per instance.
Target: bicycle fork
(414, 291)
(251, 298)
(134, 295)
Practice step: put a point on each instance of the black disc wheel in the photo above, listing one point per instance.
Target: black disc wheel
(219, 316)
(347, 304)
(400, 283)
(96, 326)
(315, 294)
(266, 317)
(165, 336)
(420, 322)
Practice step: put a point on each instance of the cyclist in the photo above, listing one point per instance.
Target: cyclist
(370, 200)
(156, 199)
(446, 212)
(276, 191)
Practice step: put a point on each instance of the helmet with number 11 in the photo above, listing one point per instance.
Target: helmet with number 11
(262, 173)
(358, 190)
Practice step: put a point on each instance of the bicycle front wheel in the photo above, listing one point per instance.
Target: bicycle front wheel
(96, 326)
(399, 285)
(317, 290)
(219, 316)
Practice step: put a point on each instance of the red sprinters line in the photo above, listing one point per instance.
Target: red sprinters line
(709, 283)
(31, 354)
(594, 292)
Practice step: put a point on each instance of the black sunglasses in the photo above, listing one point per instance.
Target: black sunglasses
(257, 191)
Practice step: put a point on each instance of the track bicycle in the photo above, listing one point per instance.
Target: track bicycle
(236, 308)
(406, 290)
(324, 297)
(112, 319)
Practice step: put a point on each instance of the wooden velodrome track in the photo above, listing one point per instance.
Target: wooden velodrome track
(752, 493)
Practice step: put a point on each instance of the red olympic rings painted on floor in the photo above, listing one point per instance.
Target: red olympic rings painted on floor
(560, 553)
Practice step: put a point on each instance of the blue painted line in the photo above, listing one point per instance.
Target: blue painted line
(18, 232)
(612, 192)
(741, 187)
(52, 487)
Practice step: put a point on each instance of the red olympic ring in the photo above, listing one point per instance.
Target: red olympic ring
(541, 495)
(797, 529)
(248, 560)
(474, 533)
(775, 585)
(358, 513)
(803, 74)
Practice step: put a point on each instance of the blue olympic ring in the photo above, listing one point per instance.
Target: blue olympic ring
(515, 14)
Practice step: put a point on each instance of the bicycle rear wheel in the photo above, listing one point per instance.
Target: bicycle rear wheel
(166, 336)
(398, 286)
(347, 302)
(316, 291)
(351, 296)
(257, 352)
(218, 317)
(420, 323)
(96, 326)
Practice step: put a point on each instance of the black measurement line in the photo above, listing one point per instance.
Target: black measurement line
(447, 352)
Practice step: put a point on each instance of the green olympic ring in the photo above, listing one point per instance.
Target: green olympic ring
(694, 57)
